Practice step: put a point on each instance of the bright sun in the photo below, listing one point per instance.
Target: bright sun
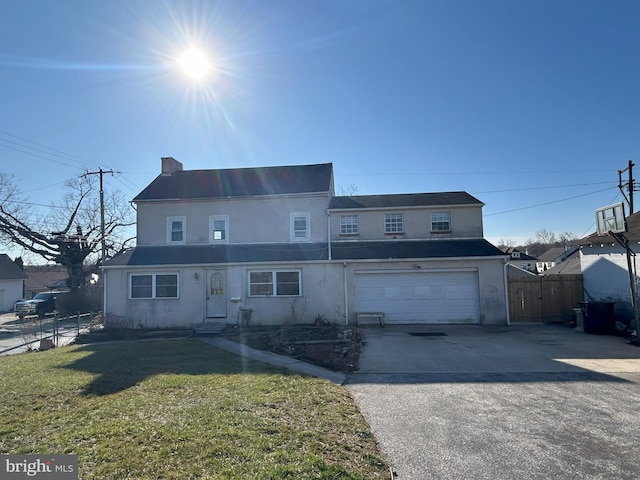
(195, 63)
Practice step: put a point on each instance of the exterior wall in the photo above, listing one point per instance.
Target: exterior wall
(466, 222)
(267, 222)
(606, 277)
(323, 294)
(10, 293)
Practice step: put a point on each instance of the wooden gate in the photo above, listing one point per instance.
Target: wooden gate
(548, 298)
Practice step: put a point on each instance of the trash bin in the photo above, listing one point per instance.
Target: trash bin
(598, 317)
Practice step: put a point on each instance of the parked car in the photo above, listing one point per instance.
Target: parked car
(39, 305)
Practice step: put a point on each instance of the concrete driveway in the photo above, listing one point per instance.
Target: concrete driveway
(519, 402)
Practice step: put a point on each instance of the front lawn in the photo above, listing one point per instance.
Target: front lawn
(181, 410)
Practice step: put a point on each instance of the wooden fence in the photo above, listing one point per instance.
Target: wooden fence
(549, 298)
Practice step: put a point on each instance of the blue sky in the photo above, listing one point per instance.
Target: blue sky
(532, 106)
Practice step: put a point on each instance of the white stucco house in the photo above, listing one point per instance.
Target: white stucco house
(605, 273)
(277, 242)
(11, 283)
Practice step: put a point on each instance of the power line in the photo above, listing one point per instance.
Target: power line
(547, 203)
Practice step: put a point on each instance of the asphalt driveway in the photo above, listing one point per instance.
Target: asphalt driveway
(519, 402)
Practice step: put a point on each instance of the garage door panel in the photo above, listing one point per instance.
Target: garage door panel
(442, 297)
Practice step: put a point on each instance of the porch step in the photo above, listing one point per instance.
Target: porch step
(210, 329)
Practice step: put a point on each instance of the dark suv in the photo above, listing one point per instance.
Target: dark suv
(39, 305)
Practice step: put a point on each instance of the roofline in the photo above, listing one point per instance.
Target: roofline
(407, 207)
(320, 193)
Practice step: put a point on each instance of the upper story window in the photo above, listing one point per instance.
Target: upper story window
(219, 228)
(440, 222)
(348, 224)
(393, 223)
(300, 230)
(176, 229)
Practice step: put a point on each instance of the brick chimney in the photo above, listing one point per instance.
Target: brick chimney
(170, 165)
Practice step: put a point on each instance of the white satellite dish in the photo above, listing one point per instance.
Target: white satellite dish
(611, 219)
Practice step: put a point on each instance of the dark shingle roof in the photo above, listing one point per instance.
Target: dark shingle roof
(9, 270)
(404, 200)
(239, 182)
(302, 252)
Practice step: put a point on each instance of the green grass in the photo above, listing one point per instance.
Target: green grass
(181, 410)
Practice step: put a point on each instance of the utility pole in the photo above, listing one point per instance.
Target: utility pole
(102, 236)
(629, 185)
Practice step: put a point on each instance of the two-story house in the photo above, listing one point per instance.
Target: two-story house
(277, 242)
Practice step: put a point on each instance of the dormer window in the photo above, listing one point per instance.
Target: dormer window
(393, 223)
(515, 255)
(440, 222)
(219, 228)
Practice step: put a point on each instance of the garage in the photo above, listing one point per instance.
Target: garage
(420, 297)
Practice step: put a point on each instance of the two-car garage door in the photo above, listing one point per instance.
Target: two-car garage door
(420, 297)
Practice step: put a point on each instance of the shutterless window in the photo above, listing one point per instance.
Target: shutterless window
(274, 283)
(348, 224)
(176, 229)
(154, 285)
(219, 227)
(393, 223)
(300, 230)
(440, 222)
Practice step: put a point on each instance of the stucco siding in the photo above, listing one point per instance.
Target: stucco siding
(10, 293)
(269, 220)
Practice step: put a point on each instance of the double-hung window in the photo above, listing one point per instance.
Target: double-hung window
(393, 223)
(219, 228)
(153, 285)
(348, 224)
(440, 222)
(274, 283)
(300, 229)
(176, 230)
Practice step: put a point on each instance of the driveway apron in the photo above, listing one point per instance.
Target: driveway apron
(501, 402)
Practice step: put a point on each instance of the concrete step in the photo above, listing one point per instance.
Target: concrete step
(210, 329)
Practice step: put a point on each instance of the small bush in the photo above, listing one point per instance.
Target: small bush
(85, 299)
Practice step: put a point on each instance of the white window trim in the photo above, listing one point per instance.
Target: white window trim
(390, 232)
(354, 224)
(274, 282)
(434, 230)
(153, 285)
(170, 220)
(212, 220)
(292, 232)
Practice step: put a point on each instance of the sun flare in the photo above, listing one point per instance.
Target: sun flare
(194, 63)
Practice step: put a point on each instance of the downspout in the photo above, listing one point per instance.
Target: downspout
(328, 234)
(346, 297)
(506, 291)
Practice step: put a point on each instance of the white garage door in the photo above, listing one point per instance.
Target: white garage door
(435, 297)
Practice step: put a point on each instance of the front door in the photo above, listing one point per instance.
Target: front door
(216, 293)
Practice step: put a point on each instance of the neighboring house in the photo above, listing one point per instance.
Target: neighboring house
(275, 243)
(568, 266)
(553, 257)
(42, 278)
(11, 283)
(604, 267)
(520, 259)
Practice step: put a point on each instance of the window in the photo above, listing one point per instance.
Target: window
(219, 228)
(266, 284)
(154, 285)
(440, 222)
(393, 223)
(348, 224)
(300, 230)
(176, 229)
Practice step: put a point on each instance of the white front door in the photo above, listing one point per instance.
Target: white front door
(216, 293)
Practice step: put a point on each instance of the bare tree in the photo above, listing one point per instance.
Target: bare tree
(71, 234)
(349, 191)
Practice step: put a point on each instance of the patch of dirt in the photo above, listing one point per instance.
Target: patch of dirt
(330, 346)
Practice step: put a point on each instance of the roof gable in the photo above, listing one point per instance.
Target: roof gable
(9, 270)
(239, 182)
(439, 199)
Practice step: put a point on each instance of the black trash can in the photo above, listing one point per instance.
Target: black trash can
(599, 318)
